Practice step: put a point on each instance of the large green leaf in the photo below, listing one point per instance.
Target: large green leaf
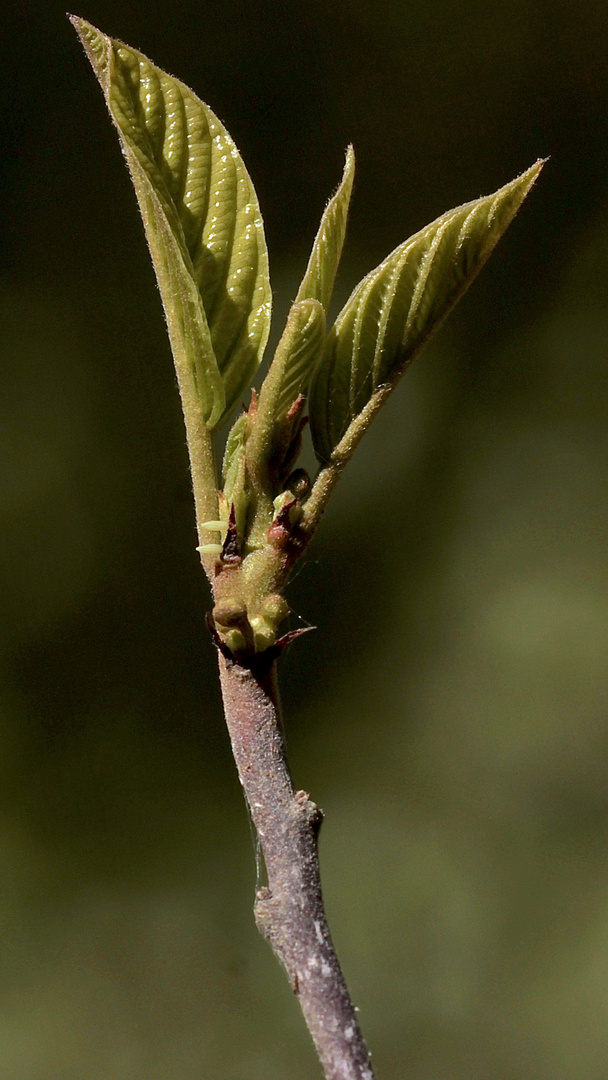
(202, 221)
(395, 309)
(318, 281)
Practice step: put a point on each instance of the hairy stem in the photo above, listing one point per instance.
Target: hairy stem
(202, 469)
(341, 455)
(290, 911)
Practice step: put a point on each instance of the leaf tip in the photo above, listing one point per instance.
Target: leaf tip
(536, 169)
(525, 180)
(94, 43)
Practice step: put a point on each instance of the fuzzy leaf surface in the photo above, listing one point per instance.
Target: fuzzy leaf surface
(318, 280)
(235, 447)
(394, 310)
(296, 356)
(202, 222)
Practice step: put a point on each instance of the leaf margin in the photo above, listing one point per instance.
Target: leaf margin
(218, 385)
(320, 274)
(322, 396)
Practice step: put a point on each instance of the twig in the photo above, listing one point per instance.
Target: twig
(290, 911)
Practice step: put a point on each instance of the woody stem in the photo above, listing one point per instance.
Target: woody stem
(290, 911)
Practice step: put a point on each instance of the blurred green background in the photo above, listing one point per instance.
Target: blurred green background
(450, 713)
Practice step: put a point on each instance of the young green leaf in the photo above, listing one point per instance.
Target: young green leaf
(235, 449)
(274, 426)
(234, 500)
(202, 222)
(392, 313)
(296, 356)
(318, 281)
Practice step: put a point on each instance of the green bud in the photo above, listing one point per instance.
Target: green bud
(283, 500)
(235, 641)
(275, 608)
(263, 633)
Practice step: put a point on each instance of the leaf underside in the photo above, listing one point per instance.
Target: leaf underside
(394, 310)
(202, 221)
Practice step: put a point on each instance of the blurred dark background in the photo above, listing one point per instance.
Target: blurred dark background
(450, 713)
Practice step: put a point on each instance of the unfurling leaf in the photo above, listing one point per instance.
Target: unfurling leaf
(277, 420)
(392, 313)
(263, 445)
(235, 448)
(202, 222)
(296, 356)
(318, 281)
